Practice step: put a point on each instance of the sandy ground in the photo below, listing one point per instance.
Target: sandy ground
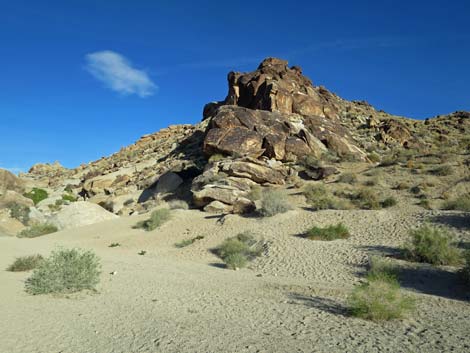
(291, 299)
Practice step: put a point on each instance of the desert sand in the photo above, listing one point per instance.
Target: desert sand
(291, 299)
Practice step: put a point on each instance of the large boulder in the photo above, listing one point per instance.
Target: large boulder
(80, 213)
(9, 181)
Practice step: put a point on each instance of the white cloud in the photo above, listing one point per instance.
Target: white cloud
(117, 73)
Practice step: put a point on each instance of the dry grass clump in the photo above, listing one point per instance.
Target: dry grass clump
(374, 157)
(237, 251)
(431, 245)
(187, 242)
(65, 271)
(36, 230)
(319, 198)
(157, 218)
(369, 199)
(274, 202)
(443, 170)
(25, 263)
(461, 203)
(331, 232)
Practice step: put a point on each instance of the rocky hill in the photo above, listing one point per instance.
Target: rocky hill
(273, 128)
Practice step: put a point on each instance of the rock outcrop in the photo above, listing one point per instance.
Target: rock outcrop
(79, 214)
(9, 181)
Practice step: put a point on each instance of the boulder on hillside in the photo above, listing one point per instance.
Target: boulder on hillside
(80, 213)
(9, 181)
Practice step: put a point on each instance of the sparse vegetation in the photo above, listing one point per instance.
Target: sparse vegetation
(367, 199)
(19, 212)
(69, 197)
(461, 203)
(157, 218)
(320, 199)
(65, 271)
(216, 158)
(37, 195)
(256, 192)
(187, 242)
(36, 230)
(380, 299)
(379, 268)
(432, 245)
(238, 250)
(332, 232)
(389, 202)
(443, 170)
(348, 178)
(114, 245)
(274, 202)
(374, 157)
(25, 263)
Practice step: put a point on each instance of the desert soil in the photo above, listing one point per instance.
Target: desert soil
(291, 299)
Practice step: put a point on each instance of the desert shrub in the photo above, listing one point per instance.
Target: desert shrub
(416, 190)
(310, 161)
(348, 178)
(372, 182)
(381, 269)
(188, 242)
(443, 170)
(402, 186)
(425, 204)
(389, 202)
(65, 271)
(318, 197)
(274, 202)
(114, 245)
(374, 157)
(216, 158)
(238, 250)
(367, 199)
(461, 203)
(256, 192)
(57, 205)
(36, 230)
(178, 205)
(380, 299)
(25, 263)
(69, 197)
(157, 218)
(388, 161)
(19, 212)
(37, 195)
(431, 245)
(331, 232)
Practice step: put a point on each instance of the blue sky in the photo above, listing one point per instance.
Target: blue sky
(81, 79)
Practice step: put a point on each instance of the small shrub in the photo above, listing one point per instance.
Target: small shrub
(114, 245)
(188, 242)
(348, 178)
(236, 260)
(367, 199)
(374, 157)
(142, 252)
(19, 212)
(389, 202)
(380, 299)
(388, 161)
(37, 195)
(461, 203)
(238, 250)
(65, 271)
(416, 190)
(36, 230)
(157, 218)
(256, 192)
(402, 186)
(425, 204)
(431, 245)
(372, 182)
(216, 158)
(25, 263)
(69, 197)
(332, 232)
(380, 269)
(443, 170)
(178, 205)
(274, 202)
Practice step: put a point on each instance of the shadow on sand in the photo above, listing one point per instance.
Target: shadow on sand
(324, 304)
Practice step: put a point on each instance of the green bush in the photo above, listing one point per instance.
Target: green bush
(461, 203)
(25, 263)
(380, 299)
(332, 232)
(238, 250)
(348, 178)
(36, 230)
(65, 271)
(19, 212)
(274, 202)
(380, 269)
(432, 245)
(37, 195)
(69, 197)
(374, 157)
(157, 218)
